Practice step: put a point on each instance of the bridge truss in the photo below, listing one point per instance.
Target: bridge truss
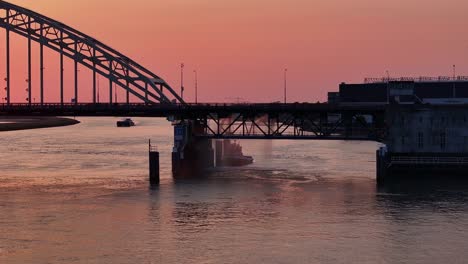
(84, 50)
(238, 121)
(288, 121)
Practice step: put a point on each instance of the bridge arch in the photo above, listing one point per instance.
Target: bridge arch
(84, 50)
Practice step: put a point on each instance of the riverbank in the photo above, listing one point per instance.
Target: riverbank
(23, 123)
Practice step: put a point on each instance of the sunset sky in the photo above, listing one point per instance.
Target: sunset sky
(241, 47)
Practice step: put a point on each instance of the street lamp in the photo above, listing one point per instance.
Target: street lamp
(182, 80)
(388, 86)
(285, 85)
(454, 89)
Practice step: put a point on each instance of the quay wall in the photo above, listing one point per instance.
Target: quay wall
(424, 140)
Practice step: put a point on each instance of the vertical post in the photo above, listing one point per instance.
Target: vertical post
(243, 126)
(146, 93)
(41, 62)
(61, 68)
(110, 91)
(29, 62)
(153, 165)
(110, 82)
(161, 87)
(94, 76)
(285, 85)
(128, 93)
(454, 92)
(196, 86)
(76, 73)
(8, 64)
(98, 89)
(382, 165)
(388, 87)
(94, 84)
(182, 80)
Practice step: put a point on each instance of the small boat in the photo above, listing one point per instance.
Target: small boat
(128, 122)
(237, 160)
(232, 155)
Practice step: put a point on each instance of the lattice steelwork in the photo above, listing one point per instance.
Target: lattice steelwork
(239, 121)
(292, 126)
(84, 50)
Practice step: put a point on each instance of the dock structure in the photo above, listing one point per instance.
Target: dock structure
(426, 123)
(424, 140)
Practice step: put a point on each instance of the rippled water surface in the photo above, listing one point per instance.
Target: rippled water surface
(80, 194)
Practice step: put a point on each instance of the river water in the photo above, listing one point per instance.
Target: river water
(80, 194)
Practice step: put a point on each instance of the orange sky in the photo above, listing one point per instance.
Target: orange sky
(241, 47)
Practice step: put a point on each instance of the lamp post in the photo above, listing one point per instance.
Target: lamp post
(388, 86)
(454, 72)
(454, 89)
(182, 80)
(285, 85)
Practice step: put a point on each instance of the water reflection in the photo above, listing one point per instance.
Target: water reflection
(82, 195)
(425, 193)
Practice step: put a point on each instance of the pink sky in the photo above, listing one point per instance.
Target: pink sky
(241, 47)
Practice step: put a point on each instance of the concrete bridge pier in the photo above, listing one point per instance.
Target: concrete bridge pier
(191, 156)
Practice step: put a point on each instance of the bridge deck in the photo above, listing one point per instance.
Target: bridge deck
(180, 110)
(237, 121)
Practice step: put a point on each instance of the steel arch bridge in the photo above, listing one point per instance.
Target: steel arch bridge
(84, 50)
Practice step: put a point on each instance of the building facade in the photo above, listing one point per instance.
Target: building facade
(405, 90)
(427, 129)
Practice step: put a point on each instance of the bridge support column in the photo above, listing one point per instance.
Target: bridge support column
(8, 66)
(75, 100)
(61, 69)
(128, 93)
(29, 65)
(146, 93)
(41, 65)
(110, 91)
(191, 155)
(94, 76)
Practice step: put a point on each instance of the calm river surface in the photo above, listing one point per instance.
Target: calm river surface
(80, 194)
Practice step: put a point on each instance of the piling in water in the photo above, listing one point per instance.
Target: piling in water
(153, 165)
